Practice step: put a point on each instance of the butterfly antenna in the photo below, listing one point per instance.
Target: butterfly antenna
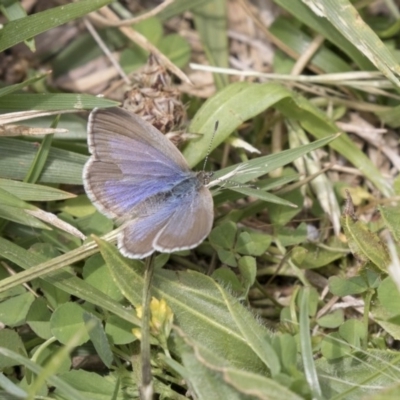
(209, 146)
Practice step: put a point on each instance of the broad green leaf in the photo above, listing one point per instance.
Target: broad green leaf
(227, 277)
(365, 244)
(66, 320)
(10, 340)
(391, 216)
(252, 243)
(227, 257)
(389, 296)
(347, 286)
(333, 346)
(80, 207)
(331, 320)
(14, 310)
(353, 332)
(212, 377)
(281, 214)
(286, 348)
(224, 235)
(231, 106)
(63, 280)
(96, 273)
(176, 48)
(199, 303)
(387, 320)
(316, 257)
(38, 318)
(119, 330)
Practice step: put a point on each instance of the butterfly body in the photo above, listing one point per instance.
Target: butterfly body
(137, 176)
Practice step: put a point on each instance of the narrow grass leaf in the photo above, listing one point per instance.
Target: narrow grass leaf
(259, 166)
(299, 41)
(15, 214)
(241, 101)
(33, 192)
(12, 11)
(99, 339)
(18, 86)
(53, 380)
(305, 344)
(211, 24)
(53, 101)
(180, 6)
(62, 166)
(10, 200)
(346, 19)
(301, 12)
(26, 28)
(40, 159)
(11, 388)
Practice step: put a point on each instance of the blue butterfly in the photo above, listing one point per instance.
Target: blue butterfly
(138, 177)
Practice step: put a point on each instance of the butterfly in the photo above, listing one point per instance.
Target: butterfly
(136, 176)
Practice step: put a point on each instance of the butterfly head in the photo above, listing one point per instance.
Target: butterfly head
(204, 177)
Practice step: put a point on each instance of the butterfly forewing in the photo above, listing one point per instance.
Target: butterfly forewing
(126, 169)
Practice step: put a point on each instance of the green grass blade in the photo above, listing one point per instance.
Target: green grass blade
(211, 24)
(305, 344)
(33, 192)
(301, 12)
(61, 167)
(26, 28)
(346, 19)
(53, 101)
